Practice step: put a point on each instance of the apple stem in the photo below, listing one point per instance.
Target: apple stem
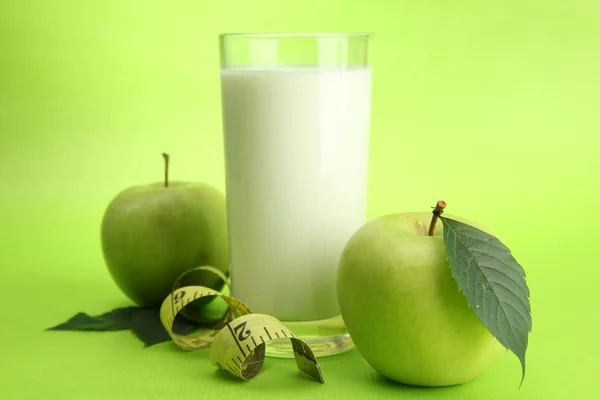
(166, 157)
(437, 211)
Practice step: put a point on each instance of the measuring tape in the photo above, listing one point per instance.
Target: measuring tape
(238, 339)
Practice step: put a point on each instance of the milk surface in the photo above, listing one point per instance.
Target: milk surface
(296, 142)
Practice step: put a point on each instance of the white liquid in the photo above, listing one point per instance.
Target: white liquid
(296, 159)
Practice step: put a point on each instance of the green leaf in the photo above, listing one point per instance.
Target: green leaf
(493, 283)
(115, 320)
(143, 322)
(147, 326)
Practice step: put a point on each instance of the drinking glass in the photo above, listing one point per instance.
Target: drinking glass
(296, 118)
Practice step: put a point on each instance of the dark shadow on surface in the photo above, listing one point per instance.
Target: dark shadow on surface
(301, 376)
(356, 372)
(382, 380)
(463, 391)
(226, 377)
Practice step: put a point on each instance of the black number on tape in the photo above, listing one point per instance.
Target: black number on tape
(179, 296)
(241, 334)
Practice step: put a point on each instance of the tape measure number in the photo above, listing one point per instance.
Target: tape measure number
(237, 340)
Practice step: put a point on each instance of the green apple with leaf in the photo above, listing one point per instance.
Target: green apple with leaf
(429, 305)
(153, 233)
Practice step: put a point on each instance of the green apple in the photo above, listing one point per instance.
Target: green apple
(153, 233)
(402, 306)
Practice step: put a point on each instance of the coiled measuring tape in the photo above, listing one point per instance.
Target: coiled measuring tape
(237, 340)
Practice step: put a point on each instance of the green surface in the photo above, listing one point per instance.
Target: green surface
(492, 106)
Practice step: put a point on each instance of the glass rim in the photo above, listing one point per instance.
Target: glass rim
(313, 35)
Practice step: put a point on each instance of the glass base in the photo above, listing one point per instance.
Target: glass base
(325, 337)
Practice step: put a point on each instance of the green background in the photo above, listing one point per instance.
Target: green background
(490, 105)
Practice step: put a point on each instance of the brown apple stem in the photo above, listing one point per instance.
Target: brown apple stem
(437, 211)
(166, 157)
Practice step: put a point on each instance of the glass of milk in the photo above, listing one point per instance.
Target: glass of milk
(296, 117)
